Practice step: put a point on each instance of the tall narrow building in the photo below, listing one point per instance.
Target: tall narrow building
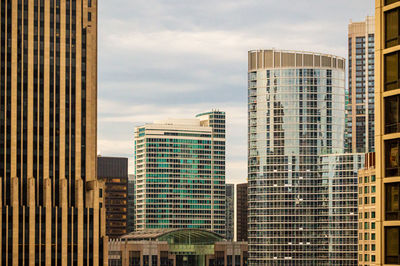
(130, 218)
(50, 196)
(360, 124)
(180, 173)
(387, 98)
(241, 210)
(296, 111)
(114, 172)
(230, 211)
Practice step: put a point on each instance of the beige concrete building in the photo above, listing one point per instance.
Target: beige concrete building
(176, 247)
(367, 212)
(49, 194)
(360, 107)
(387, 98)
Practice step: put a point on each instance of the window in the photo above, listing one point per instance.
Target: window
(372, 200)
(392, 28)
(366, 200)
(391, 71)
(366, 189)
(366, 179)
(392, 252)
(392, 114)
(373, 178)
(366, 236)
(372, 225)
(372, 257)
(373, 247)
(392, 202)
(372, 214)
(372, 236)
(388, 2)
(392, 157)
(373, 189)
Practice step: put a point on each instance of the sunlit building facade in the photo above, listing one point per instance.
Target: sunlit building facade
(296, 111)
(387, 103)
(50, 197)
(360, 119)
(180, 174)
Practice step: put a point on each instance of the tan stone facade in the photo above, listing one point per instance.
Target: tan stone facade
(367, 212)
(50, 197)
(387, 131)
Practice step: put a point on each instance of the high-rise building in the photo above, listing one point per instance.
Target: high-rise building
(367, 208)
(339, 206)
(296, 104)
(387, 102)
(50, 195)
(360, 124)
(241, 212)
(114, 172)
(131, 204)
(180, 173)
(230, 210)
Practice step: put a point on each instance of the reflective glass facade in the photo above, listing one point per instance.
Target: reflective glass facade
(180, 174)
(296, 104)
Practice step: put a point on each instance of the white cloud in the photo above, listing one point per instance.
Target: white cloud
(160, 59)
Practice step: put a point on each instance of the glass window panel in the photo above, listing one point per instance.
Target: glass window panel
(392, 201)
(391, 71)
(392, 157)
(392, 124)
(388, 2)
(392, 245)
(392, 28)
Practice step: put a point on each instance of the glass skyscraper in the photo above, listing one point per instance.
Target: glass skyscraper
(296, 116)
(180, 173)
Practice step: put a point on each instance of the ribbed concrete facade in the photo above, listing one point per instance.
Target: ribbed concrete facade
(50, 195)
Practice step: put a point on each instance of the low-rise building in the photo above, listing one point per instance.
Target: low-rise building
(170, 247)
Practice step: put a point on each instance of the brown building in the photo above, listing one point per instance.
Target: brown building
(387, 99)
(360, 124)
(114, 172)
(367, 208)
(176, 247)
(241, 209)
(49, 193)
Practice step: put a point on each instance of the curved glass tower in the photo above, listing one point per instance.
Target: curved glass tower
(296, 104)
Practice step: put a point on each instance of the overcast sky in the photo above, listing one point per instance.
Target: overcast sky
(176, 58)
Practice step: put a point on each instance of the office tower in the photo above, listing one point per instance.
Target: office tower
(114, 172)
(229, 210)
(131, 204)
(367, 209)
(241, 210)
(360, 107)
(50, 195)
(180, 173)
(296, 104)
(387, 96)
